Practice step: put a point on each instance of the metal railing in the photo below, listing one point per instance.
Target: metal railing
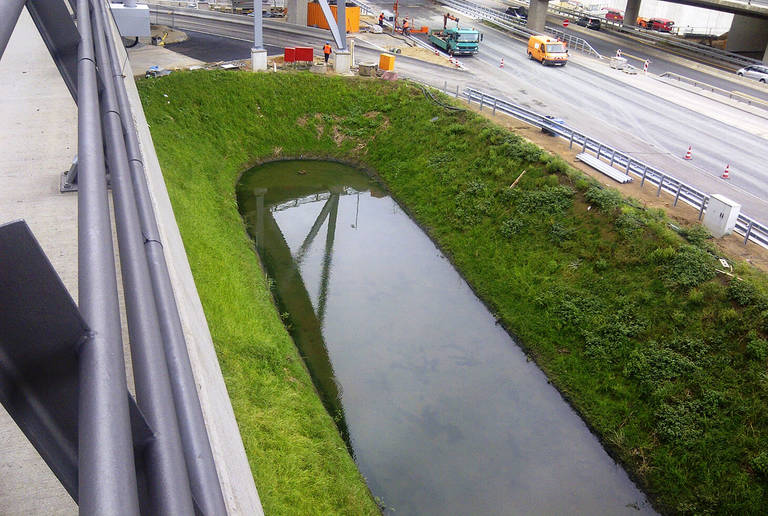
(174, 471)
(745, 225)
(516, 25)
(734, 95)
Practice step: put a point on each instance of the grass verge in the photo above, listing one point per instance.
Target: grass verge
(663, 357)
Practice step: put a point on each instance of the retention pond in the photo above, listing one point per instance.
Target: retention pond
(440, 408)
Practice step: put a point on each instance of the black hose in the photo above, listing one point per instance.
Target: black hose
(428, 95)
(135, 42)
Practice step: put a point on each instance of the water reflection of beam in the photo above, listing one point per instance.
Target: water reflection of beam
(327, 257)
(305, 327)
(315, 228)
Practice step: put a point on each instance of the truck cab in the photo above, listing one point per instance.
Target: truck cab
(455, 41)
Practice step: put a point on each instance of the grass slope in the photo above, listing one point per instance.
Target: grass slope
(663, 358)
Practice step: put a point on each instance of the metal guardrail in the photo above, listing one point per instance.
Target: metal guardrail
(516, 25)
(652, 37)
(734, 95)
(745, 225)
(102, 431)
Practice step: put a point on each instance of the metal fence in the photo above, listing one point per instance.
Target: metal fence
(664, 182)
(113, 457)
(734, 95)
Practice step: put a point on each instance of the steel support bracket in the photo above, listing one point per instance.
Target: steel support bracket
(41, 333)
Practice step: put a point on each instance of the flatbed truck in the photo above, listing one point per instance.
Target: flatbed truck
(455, 41)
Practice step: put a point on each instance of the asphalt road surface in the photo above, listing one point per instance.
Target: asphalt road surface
(209, 48)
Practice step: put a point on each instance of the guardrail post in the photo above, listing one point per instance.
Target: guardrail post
(570, 140)
(645, 171)
(599, 150)
(749, 231)
(629, 164)
(584, 148)
(482, 99)
(701, 208)
(445, 87)
(613, 155)
(494, 105)
(661, 183)
(677, 195)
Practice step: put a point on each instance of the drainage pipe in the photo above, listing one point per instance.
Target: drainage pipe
(106, 471)
(167, 480)
(204, 480)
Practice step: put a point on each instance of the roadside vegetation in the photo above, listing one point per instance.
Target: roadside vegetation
(664, 357)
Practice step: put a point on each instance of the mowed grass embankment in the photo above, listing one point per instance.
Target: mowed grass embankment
(663, 357)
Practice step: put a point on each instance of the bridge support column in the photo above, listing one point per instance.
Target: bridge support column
(537, 15)
(631, 12)
(297, 12)
(748, 36)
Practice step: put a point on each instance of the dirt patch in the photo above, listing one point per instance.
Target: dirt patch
(390, 42)
(731, 246)
(302, 121)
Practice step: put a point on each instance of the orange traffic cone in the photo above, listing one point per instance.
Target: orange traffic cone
(725, 172)
(502, 63)
(688, 154)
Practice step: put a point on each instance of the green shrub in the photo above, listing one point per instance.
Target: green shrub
(661, 255)
(743, 293)
(606, 199)
(652, 365)
(557, 165)
(546, 201)
(511, 227)
(690, 266)
(759, 464)
(696, 234)
(683, 423)
(757, 349)
(456, 129)
(629, 225)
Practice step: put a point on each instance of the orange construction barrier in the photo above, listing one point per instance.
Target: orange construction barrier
(316, 18)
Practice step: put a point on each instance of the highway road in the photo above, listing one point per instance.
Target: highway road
(651, 128)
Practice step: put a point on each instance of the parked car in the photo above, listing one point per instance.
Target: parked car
(659, 24)
(757, 72)
(614, 15)
(520, 12)
(589, 22)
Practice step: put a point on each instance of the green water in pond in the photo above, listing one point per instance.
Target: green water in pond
(439, 406)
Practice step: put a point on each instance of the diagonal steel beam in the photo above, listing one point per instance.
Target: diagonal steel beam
(10, 10)
(54, 22)
(313, 232)
(332, 23)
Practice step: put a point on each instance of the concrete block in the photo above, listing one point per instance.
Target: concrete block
(343, 62)
(258, 59)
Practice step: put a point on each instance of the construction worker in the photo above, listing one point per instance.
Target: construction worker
(327, 51)
(406, 27)
(381, 20)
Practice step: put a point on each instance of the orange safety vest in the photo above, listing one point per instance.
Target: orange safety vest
(327, 49)
(405, 24)
(381, 17)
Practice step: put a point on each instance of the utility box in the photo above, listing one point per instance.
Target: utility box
(386, 62)
(305, 54)
(131, 21)
(290, 55)
(721, 215)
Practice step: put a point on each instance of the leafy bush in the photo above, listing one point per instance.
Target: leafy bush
(628, 225)
(661, 255)
(757, 349)
(511, 227)
(652, 365)
(743, 293)
(559, 233)
(472, 203)
(683, 423)
(456, 129)
(690, 266)
(606, 199)
(759, 464)
(557, 165)
(546, 201)
(696, 234)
